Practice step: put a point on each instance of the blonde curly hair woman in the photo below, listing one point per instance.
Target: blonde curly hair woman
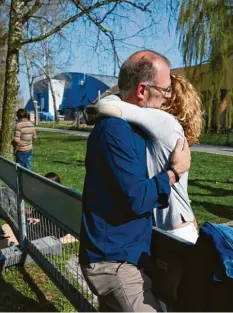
(185, 105)
(180, 116)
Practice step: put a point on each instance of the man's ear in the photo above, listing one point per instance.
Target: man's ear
(141, 91)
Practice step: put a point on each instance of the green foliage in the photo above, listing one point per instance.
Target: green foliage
(205, 30)
(217, 139)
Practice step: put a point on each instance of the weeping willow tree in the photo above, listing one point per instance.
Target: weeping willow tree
(205, 29)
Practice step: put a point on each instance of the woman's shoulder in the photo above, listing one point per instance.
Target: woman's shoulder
(160, 112)
(164, 118)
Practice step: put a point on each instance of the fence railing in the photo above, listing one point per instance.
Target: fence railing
(46, 218)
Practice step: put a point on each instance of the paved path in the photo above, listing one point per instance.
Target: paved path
(64, 131)
(224, 150)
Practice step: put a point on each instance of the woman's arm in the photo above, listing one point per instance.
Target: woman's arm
(154, 122)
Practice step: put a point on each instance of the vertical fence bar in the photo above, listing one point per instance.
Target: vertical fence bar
(20, 209)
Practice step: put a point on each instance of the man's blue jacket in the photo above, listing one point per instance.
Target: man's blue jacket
(118, 197)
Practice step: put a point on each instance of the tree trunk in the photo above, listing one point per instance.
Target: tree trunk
(54, 100)
(0, 109)
(209, 100)
(2, 77)
(78, 119)
(2, 67)
(218, 112)
(209, 116)
(35, 106)
(30, 83)
(229, 115)
(11, 75)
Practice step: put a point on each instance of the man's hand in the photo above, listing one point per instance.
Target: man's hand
(181, 159)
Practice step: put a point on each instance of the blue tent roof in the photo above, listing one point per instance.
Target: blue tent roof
(80, 89)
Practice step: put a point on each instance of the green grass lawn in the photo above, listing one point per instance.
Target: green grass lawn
(210, 189)
(63, 154)
(29, 290)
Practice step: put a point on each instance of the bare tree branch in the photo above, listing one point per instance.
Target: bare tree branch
(42, 18)
(109, 12)
(66, 22)
(55, 30)
(37, 5)
(92, 18)
(135, 34)
(142, 8)
(107, 32)
(83, 12)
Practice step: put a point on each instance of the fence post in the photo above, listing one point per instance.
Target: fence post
(20, 209)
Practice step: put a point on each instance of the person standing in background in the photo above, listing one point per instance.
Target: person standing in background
(24, 134)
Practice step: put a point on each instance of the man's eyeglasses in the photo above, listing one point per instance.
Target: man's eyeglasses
(165, 92)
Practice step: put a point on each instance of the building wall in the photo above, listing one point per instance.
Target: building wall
(80, 90)
(72, 90)
(58, 89)
(41, 96)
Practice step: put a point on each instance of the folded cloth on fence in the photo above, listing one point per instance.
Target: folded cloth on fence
(220, 237)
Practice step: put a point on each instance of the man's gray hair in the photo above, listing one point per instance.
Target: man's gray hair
(134, 72)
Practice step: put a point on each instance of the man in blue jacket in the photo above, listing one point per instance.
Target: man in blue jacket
(118, 196)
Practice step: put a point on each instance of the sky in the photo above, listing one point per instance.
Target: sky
(82, 59)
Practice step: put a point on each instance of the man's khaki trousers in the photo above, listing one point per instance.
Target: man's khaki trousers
(120, 287)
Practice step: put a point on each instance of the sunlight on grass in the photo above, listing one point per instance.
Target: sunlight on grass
(62, 154)
(30, 290)
(211, 187)
(210, 190)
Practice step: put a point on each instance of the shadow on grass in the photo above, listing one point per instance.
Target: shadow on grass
(61, 137)
(75, 139)
(220, 210)
(75, 162)
(215, 191)
(12, 300)
(44, 303)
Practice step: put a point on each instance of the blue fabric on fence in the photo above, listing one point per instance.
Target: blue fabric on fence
(221, 238)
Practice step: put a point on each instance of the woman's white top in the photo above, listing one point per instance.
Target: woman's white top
(163, 130)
